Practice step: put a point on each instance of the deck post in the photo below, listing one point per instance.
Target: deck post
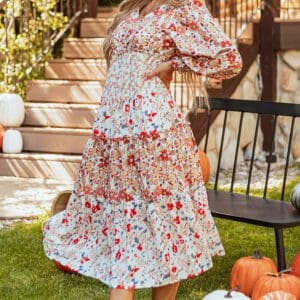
(91, 6)
(268, 61)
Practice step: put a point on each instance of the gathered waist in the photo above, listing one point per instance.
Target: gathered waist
(141, 60)
(126, 75)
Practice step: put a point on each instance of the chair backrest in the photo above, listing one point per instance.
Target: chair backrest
(260, 109)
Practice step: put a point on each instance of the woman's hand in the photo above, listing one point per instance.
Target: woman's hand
(164, 71)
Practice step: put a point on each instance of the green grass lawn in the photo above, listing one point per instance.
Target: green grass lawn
(26, 273)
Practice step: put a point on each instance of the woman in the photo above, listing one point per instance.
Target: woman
(138, 214)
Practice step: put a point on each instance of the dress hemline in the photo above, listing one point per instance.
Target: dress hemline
(179, 279)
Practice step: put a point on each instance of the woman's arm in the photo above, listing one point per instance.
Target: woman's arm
(201, 44)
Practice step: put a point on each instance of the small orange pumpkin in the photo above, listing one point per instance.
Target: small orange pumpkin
(278, 295)
(274, 282)
(205, 166)
(295, 265)
(2, 130)
(247, 270)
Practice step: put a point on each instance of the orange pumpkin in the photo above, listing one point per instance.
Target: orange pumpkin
(295, 265)
(2, 130)
(274, 282)
(278, 295)
(247, 270)
(205, 166)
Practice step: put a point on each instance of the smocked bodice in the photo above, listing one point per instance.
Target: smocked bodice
(188, 34)
(146, 34)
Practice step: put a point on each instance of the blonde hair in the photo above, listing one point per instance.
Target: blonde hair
(194, 82)
(126, 7)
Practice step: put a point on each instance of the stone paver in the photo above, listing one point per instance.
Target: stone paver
(259, 174)
(23, 197)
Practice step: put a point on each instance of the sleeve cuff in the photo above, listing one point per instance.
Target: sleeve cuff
(178, 64)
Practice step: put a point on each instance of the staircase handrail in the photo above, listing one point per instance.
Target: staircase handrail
(2, 3)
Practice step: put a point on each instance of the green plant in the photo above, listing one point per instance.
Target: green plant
(26, 28)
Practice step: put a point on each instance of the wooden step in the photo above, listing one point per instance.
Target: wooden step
(64, 91)
(107, 11)
(37, 165)
(85, 92)
(83, 48)
(95, 27)
(76, 69)
(60, 115)
(54, 140)
(109, 14)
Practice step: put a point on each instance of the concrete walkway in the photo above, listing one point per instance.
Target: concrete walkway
(25, 198)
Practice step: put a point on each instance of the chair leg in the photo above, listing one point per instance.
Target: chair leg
(280, 249)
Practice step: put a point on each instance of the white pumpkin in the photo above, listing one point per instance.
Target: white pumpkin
(12, 141)
(12, 110)
(222, 294)
(295, 196)
(279, 295)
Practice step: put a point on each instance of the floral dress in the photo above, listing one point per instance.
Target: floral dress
(138, 215)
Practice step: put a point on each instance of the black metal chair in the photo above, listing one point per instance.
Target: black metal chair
(243, 207)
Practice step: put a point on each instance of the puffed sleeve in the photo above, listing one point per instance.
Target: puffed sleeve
(201, 44)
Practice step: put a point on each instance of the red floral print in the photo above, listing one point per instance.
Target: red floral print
(95, 208)
(168, 43)
(138, 215)
(130, 160)
(164, 154)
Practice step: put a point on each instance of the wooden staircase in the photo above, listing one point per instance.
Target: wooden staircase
(60, 110)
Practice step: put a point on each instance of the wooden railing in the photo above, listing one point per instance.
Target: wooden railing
(289, 9)
(234, 15)
(2, 3)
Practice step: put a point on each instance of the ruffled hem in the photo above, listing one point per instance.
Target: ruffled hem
(121, 286)
(138, 215)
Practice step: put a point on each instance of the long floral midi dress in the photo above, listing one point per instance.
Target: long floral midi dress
(138, 215)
